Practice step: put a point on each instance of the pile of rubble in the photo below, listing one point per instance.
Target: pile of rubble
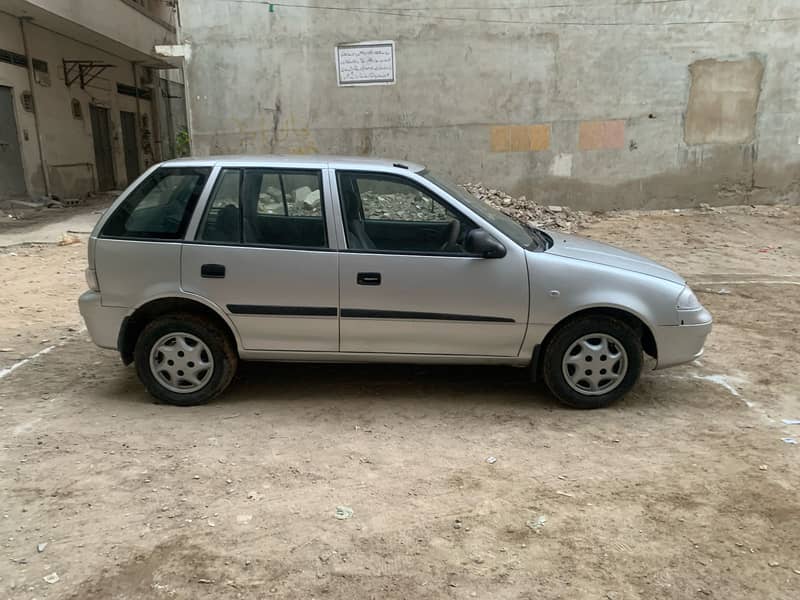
(302, 201)
(526, 211)
(19, 208)
(400, 206)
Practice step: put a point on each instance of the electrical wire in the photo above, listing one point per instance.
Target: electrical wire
(394, 13)
(481, 8)
(506, 7)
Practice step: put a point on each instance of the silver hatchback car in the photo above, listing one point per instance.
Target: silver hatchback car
(202, 262)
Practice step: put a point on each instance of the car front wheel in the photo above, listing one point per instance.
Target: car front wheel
(592, 361)
(184, 359)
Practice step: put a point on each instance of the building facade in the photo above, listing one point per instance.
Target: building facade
(595, 104)
(81, 96)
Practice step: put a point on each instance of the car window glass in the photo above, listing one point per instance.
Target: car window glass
(270, 195)
(503, 222)
(222, 221)
(391, 213)
(160, 207)
(397, 201)
(267, 207)
(303, 194)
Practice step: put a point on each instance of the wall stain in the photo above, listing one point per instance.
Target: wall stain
(276, 121)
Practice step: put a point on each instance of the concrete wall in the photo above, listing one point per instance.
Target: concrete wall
(17, 79)
(158, 9)
(597, 105)
(67, 141)
(132, 24)
(173, 121)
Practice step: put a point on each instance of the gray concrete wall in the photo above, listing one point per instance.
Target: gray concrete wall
(598, 105)
(131, 25)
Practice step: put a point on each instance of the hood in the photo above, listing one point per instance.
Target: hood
(573, 246)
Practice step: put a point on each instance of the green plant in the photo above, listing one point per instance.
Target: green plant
(183, 145)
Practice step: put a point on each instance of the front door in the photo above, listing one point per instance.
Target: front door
(407, 285)
(12, 177)
(129, 145)
(101, 135)
(262, 255)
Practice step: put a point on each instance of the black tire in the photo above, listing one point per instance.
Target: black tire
(213, 336)
(565, 339)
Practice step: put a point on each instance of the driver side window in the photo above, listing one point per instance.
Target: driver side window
(390, 213)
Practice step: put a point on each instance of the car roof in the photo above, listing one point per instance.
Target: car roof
(297, 160)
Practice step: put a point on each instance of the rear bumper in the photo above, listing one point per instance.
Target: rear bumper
(103, 322)
(678, 344)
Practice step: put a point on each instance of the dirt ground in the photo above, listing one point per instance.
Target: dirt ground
(685, 489)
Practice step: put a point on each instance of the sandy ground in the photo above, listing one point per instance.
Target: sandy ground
(683, 490)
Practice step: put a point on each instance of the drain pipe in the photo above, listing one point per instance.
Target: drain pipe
(31, 83)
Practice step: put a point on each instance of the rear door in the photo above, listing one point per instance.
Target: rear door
(137, 252)
(262, 254)
(407, 284)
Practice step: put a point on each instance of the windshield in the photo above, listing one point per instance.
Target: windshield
(503, 222)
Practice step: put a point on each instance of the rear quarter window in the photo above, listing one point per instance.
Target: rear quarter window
(161, 206)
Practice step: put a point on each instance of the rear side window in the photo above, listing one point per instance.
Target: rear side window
(161, 207)
(266, 207)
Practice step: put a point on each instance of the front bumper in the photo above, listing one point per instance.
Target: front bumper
(678, 344)
(103, 322)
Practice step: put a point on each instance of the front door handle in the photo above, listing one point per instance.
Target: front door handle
(212, 271)
(368, 279)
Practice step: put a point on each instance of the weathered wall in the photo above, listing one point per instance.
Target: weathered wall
(67, 141)
(597, 105)
(173, 119)
(130, 24)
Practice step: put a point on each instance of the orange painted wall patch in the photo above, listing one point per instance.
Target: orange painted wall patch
(519, 138)
(601, 135)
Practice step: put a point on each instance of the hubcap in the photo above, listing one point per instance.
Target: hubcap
(181, 363)
(595, 364)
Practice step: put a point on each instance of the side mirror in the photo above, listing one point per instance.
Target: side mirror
(480, 243)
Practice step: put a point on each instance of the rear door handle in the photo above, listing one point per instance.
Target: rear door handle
(368, 279)
(212, 271)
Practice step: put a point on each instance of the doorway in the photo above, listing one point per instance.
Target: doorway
(12, 177)
(129, 145)
(103, 160)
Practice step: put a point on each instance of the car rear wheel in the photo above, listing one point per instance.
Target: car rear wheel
(592, 361)
(184, 360)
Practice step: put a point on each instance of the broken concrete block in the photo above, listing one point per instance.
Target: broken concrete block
(67, 239)
(270, 208)
(301, 193)
(275, 192)
(312, 200)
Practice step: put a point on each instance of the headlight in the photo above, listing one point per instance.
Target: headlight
(687, 300)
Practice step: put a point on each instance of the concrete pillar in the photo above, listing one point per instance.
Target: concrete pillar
(37, 125)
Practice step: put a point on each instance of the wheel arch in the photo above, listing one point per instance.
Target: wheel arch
(635, 321)
(134, 323)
